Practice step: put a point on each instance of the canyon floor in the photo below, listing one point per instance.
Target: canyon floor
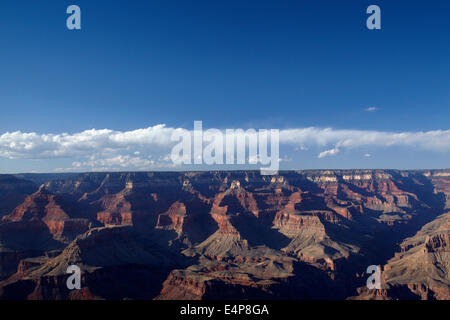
(226, 234)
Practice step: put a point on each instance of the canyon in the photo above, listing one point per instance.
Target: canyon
(226, 234)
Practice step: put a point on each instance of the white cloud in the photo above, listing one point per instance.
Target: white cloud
(285, 158)
(436, 140)
(120, 161)
(150, 147)
(117, 163)
(40, 146)
(371, 109)
(330, 152)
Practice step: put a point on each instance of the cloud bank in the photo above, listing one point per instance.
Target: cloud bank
(149, 147)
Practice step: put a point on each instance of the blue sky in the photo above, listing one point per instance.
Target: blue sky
(232, 64)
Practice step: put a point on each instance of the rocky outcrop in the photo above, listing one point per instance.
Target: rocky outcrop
(441, 182)
(41, 205)
(421, 269)
(117, 210)
(172, 219)
(48, 208)
(68, 229)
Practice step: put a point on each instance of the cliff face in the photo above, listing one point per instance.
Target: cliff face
(421, 269)
(237, 234)
(441, 181)
(48, 208)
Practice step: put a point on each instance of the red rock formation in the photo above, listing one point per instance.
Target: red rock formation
(173, 218)
(117, 210)
(45, 206)
(421, 269)
(41, 205)
(292, 224)
(68, 228)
